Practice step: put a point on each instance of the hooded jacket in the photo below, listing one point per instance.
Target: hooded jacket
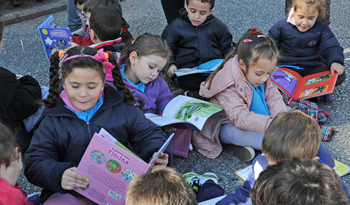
(62, 138)
(231, 90)
(195, 45)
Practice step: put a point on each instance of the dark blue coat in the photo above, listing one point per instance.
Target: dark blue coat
(62, 138)
(195, 45)
(303, 48)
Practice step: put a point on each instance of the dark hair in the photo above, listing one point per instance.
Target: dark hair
(80, 2)
(163, 186)
(291, 134)
(7, 145)
(147, 44)
(2, 29)
(297, 181)
(319, 5)
(83, 62)
(91, 5)
(250, 52)
(211, 2)
(106, 23)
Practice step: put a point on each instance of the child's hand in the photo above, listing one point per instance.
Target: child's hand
(161, 161)
(336, 67)
(71, 180)
(18, 76)
(11, 173)
(72, 44)
(171, 71)
(168, 128)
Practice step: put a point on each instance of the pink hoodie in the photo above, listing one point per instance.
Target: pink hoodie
(231, 90)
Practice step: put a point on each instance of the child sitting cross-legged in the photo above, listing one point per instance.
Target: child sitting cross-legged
(291, 134)
(298, 181)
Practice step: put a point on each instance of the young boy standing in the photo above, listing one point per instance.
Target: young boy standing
(195, 38)
(290, 134)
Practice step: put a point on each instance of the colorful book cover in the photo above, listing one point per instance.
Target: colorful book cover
(340, 168)
(108, 169)
(54, 38)
(293, 85)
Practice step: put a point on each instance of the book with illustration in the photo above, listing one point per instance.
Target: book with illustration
(341, 169)
(108, 167)
(189, 71)
(185, 110)
(54, 38)
(293, 85)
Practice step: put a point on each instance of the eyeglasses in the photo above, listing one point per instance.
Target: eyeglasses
(81, 13)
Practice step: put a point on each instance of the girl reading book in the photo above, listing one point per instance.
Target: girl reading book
(141, 66)
(241, 85)
(74, 112)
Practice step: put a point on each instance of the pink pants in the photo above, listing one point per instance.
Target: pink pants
(67, 199)
(181, 142)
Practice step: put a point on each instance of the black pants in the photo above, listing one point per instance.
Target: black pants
(190, 82)
(209, 190)
(171, 9)
(312, 70)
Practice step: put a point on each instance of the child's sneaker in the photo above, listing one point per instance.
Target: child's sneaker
(243, 153)
(193, 179)
(210, 176)
(328, 97)
(34, 198)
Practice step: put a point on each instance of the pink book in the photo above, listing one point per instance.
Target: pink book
(108, 169)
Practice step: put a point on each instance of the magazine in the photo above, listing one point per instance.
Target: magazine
(185, 110)
(293, 85)
(108, 167)
(54, 38)
(341, 169)
(188, 71)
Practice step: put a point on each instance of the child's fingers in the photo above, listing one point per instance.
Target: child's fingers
(72, 180)
(163, 161)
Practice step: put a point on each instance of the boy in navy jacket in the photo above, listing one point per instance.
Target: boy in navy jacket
(282, 141)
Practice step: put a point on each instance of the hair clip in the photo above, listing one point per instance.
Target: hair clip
(261, 36)
(247, 40)
(132, 42)
(254, 31)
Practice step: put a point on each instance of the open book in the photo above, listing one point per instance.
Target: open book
(54, 38)
(208, 67)
(186, 110)
(293, 85)
(341, 169)
(108, 167)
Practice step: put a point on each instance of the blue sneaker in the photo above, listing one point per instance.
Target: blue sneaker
(34, 198)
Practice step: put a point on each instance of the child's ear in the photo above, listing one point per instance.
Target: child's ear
(242, 65)
(93, 36)
(315, 158)
(133, 57)
(210, 12)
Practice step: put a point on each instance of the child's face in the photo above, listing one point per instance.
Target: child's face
(260, 72)
(87, 14)
(83, 87)
(305, 17)
(145, 68)
(198, 11)
(80, 8)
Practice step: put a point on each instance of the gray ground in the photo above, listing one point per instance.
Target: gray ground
(23, 53)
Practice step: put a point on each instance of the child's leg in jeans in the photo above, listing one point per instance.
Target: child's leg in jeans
(58, 198)
(74, 21)
(230, 134)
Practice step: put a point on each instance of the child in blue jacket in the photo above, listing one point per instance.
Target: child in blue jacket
(283, 142)
(74, 114)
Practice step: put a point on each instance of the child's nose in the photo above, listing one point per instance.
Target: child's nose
(83, 92)
(196, 15)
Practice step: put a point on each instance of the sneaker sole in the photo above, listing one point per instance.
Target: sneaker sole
(245, 154)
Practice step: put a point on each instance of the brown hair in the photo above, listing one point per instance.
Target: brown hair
(297, 181)
(106, 23)
(210, 2)
(88, 63)
(317, 4)
(163, 186)
(2, 29)
(147, 44)
(91, 5)
(250, 52)
(291, 134)
(7, 145)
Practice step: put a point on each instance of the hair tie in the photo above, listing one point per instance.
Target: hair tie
(254, 31)
(100, 56)
(132, 42)
(247, 40)
(261, 36)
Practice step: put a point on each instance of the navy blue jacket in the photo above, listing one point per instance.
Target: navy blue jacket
(241, 196)
(195, 45)
(62, 138)
(303, 48)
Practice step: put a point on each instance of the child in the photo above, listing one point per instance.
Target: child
(74, 114)
(241, 85)
(85, 39)
(141, 65)
(11, 166)
(290, 134)
(19, 99)
(298, 182)
(161, 186)
(306, 43)
(195, 38)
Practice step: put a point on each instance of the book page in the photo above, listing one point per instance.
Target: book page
(161, 120)
(191, 110)
(188, 71)
(340, 168)
(244, 173)
(285, 81)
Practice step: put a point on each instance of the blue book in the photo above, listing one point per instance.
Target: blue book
(53, 38)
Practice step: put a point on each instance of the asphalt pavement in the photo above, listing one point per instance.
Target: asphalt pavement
(23, 53)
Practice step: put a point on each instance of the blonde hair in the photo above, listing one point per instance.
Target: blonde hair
(317, 4)
(163, 186)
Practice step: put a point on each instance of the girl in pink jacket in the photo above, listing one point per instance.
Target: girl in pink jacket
(241, 85)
